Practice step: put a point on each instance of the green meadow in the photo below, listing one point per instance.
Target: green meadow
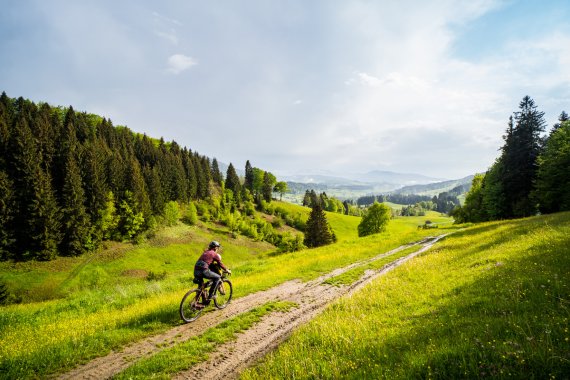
(75, 309)
(491, 300)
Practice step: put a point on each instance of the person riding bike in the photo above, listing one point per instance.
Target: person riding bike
(207, 266)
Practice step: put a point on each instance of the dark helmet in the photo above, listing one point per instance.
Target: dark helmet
(214, 244)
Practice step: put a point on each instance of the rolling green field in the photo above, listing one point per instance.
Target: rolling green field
(492, 300)
(105, 300)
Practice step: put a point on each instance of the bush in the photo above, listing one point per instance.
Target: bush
(151, 276)
(171, 213)
(190, 215)
(4, 294)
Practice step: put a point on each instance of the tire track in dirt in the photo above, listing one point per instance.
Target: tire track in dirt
(233, 357)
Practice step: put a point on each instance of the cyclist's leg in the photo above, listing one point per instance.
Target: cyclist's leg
(215, 280)
(199, 277)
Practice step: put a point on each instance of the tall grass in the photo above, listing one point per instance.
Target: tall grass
(105, 307)
(490, 301)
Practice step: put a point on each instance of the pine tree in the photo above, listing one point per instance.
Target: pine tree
(522, 147)
(553, 178)
(249, 177)
(232, 180)
(136, 185)
(6, 215)
(318, 231)
(267, 187)
(205, 162)
(202, 177)
(45, 219)
(307, 198)
(155, 192)
(561, 119)
(190, 171)
(94, 177)
(76, 222)
(36, 223)
(216, 174)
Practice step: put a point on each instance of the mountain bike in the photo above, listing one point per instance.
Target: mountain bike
(191, 307)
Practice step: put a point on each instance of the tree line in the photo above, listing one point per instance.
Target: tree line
(531, 175)
(444, 202)
(69, 180)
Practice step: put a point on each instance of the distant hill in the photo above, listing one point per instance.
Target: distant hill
(402, 179)
(354, 185)
(436, 188)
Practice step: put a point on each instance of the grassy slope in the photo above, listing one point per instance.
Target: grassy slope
(105, 308)
(492, 300)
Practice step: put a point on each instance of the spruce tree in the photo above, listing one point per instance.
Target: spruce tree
(94, 177)
(318, 231)
(76, 222)
(77, 237)
(202, 177)
(6, 215)
(553, 178)
(232, 180)
(249, 177)
(522, 148)
(190, 171)
(155, 192)
(267, 187)
(136, 185)
(307, 198)
(216, 174)
(36, 223)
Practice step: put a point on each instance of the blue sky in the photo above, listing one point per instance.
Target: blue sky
(299, 86)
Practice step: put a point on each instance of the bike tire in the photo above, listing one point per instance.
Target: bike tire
(188, 311)
(223, 294)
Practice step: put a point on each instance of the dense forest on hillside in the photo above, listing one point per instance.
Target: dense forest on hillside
(531, 175)
(69, 180)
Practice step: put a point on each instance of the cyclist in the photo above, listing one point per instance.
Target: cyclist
(206, 268)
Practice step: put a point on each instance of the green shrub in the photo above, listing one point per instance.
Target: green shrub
(171, 213)
(191, 214)
(151, 276)
(4, 294)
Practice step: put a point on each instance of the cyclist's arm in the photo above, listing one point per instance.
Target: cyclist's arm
(219, 260)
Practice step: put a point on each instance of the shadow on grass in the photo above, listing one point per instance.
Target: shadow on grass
(511, 322)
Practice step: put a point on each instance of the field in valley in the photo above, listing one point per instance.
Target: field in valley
(102, 302)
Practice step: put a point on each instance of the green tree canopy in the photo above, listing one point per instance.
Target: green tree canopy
(375, 220)
(553, 179)
(281, 188)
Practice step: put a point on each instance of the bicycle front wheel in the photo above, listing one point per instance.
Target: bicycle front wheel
(189, 311)
(223, 294)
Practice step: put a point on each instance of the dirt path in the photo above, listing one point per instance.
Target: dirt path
(233, 357)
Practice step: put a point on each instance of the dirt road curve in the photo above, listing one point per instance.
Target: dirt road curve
(231, 358)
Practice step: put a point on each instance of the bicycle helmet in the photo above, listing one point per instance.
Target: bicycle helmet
(214, 244)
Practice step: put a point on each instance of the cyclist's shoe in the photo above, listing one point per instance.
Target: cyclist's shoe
(199, 306)
(222, 290)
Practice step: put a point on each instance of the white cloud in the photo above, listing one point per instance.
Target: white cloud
(177, 63)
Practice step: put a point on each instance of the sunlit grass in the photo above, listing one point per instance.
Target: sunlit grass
(490, 301)
(104, 307)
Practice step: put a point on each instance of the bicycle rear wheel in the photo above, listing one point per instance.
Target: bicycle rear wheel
(223, 294)
(188, 310)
